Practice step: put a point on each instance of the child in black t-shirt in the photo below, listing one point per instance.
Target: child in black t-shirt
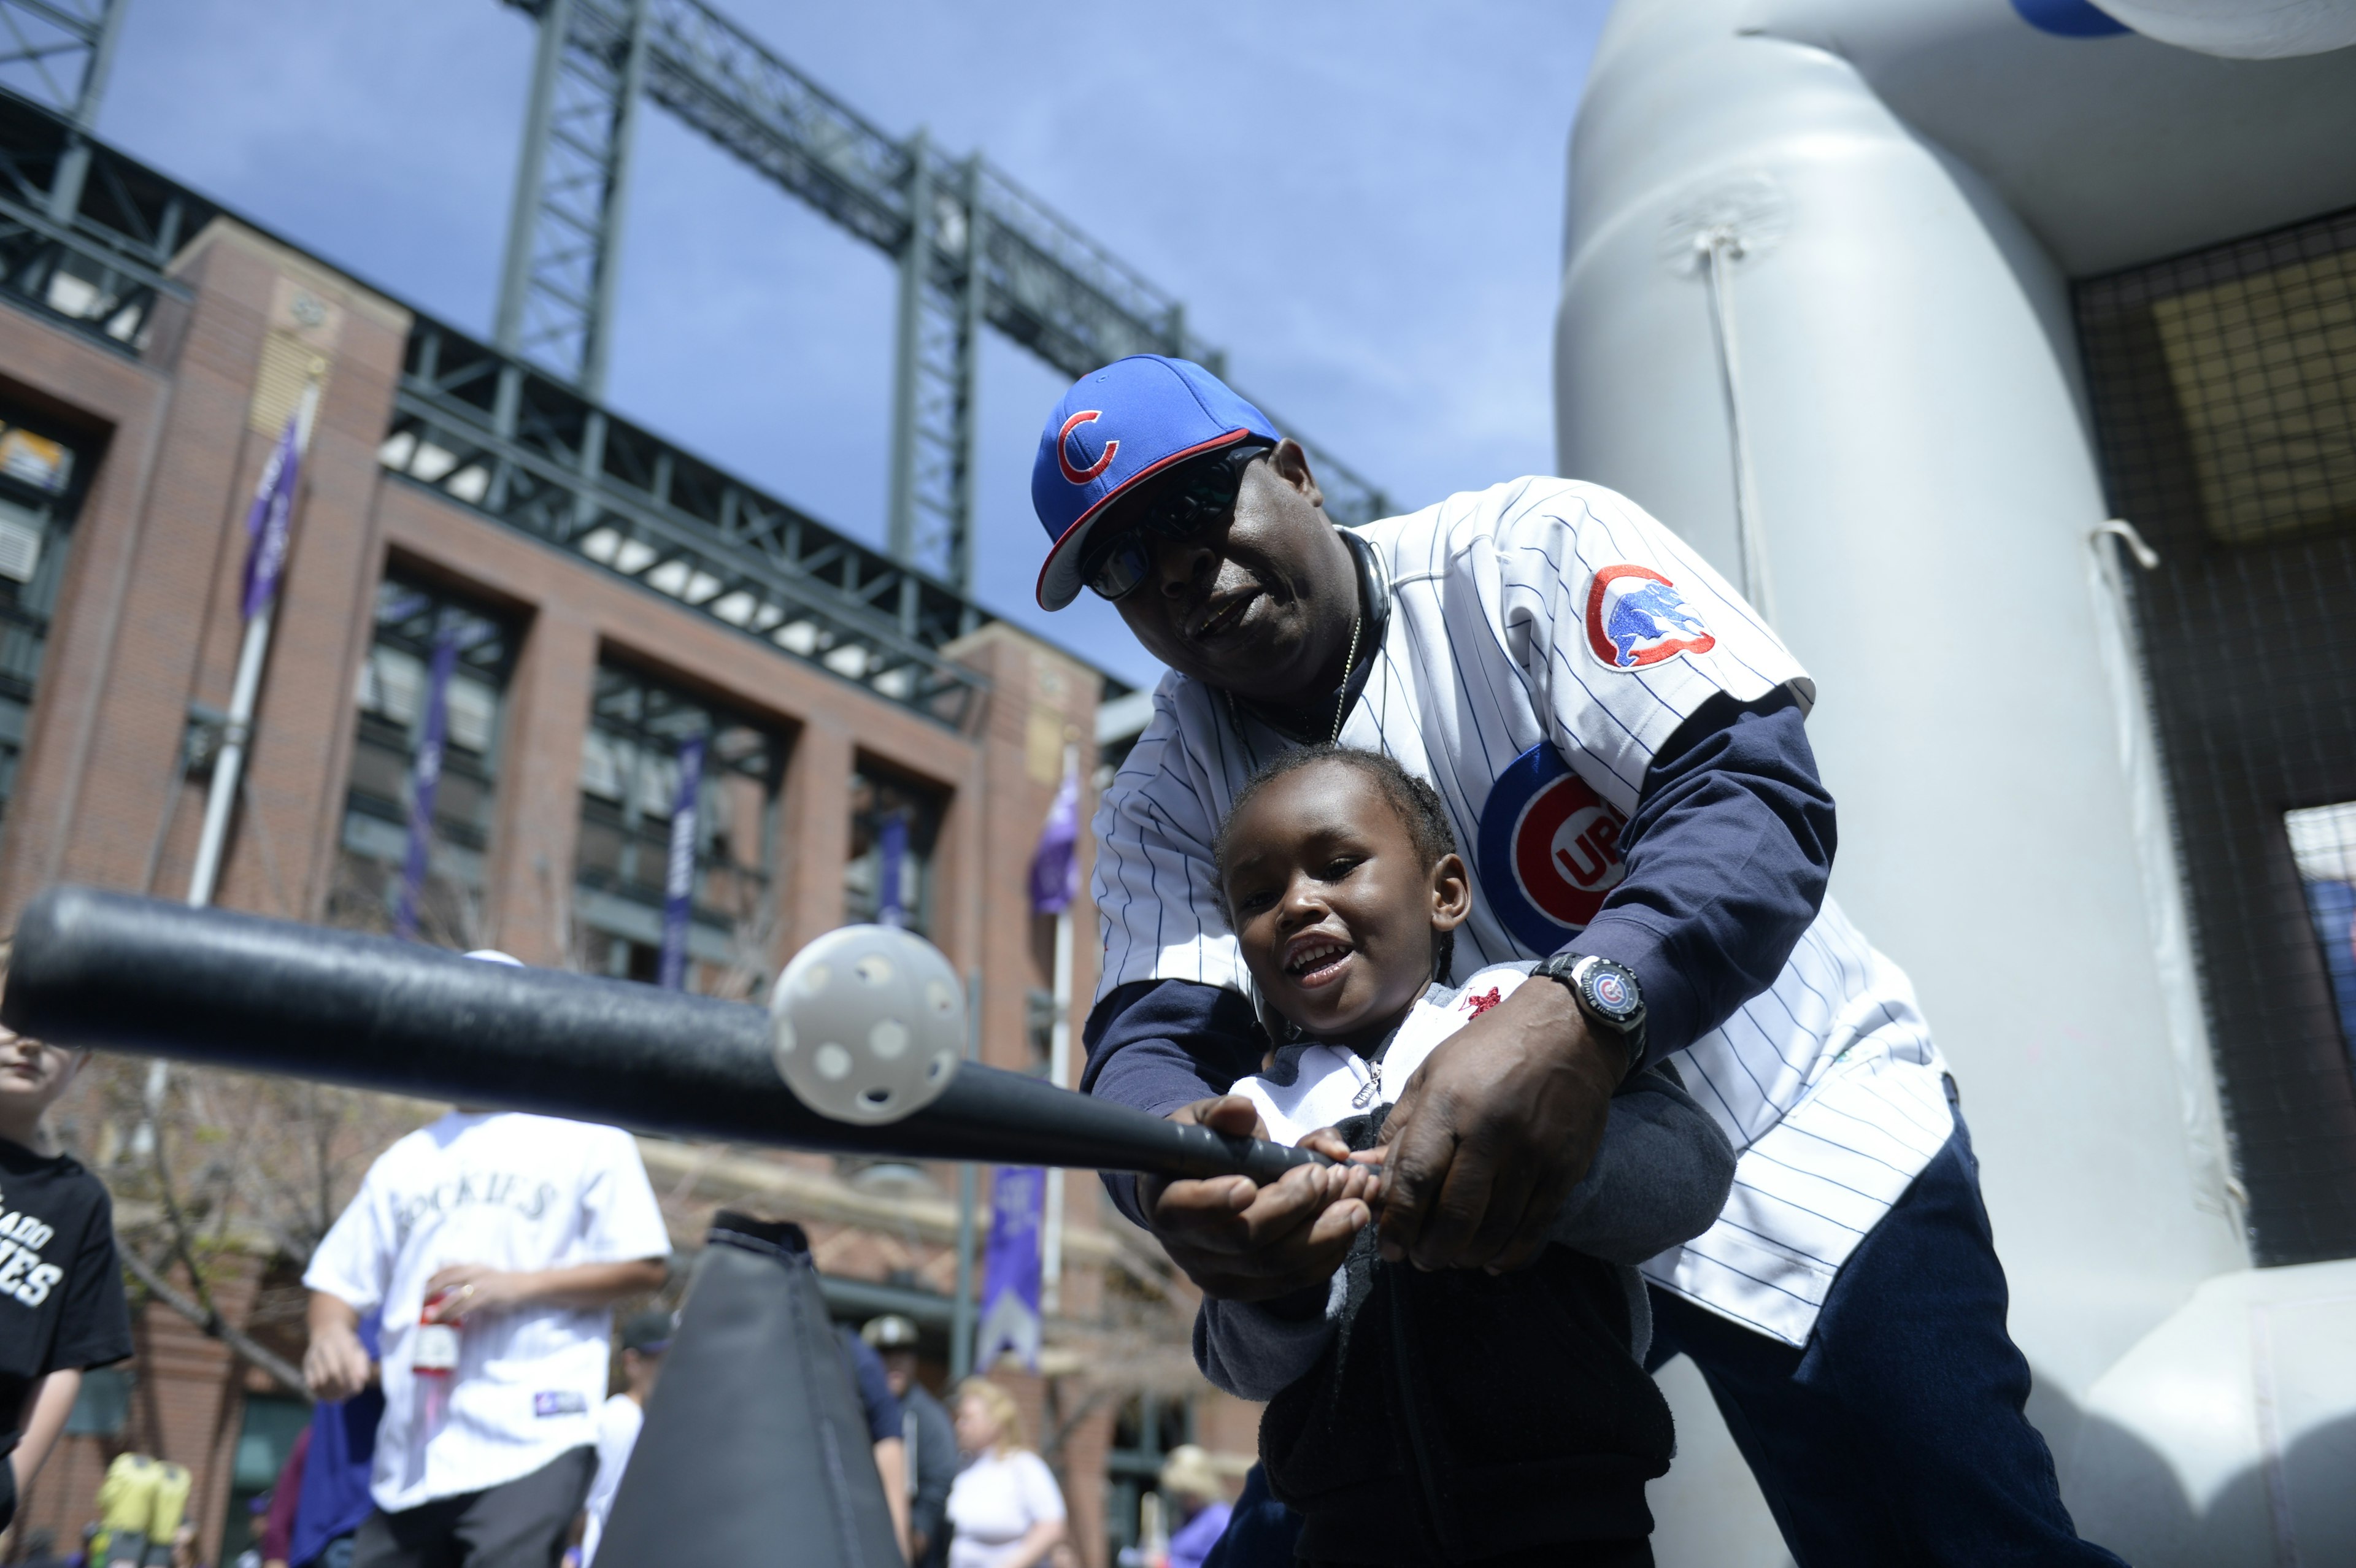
(61, 1305)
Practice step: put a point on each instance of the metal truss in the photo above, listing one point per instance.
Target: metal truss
(932, 382)
(498, 437)
(973, 246)
(57, 53)
(86, 234)
(556, 291)
(491, 433)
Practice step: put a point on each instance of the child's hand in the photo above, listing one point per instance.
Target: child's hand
(1329, 1142)
(1243, 1242)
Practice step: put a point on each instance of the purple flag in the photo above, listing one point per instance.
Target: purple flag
(679, 876)
(891, 873)
(426, 777)
(1009, 1269)
(1056, 864)
(269, 520)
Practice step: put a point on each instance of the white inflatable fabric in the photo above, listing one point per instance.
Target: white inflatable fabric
(1915, 187)
(2242, 29)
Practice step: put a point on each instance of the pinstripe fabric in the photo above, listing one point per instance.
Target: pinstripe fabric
(1827, 1084)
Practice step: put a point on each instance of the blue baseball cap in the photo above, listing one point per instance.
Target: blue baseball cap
(1115, 429)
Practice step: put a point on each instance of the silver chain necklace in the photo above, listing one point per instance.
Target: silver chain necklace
(1341, 697)
(1349, 667)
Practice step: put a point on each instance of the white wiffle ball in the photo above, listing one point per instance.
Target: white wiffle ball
(867, 1024)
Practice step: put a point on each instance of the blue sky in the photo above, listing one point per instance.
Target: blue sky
(1361, 201)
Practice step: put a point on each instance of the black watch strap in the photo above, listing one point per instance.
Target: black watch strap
(1609, 994)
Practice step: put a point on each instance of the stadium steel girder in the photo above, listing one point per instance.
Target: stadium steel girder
(556, 290)
(501, 438)
(973, 247)
(57, 53)
(95, 259)
(488, 433)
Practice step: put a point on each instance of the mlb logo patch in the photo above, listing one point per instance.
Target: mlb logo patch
(558, 1401)
(1637, 617)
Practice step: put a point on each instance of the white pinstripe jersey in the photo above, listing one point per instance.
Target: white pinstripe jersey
(1546, 638)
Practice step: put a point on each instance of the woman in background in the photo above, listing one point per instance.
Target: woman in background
(1005, 1510)
(1197, 1503)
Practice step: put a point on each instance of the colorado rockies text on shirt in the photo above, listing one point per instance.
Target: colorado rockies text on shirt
(503, 1187)
(23, 1274)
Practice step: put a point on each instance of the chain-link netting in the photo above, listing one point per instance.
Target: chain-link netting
(2224, 386)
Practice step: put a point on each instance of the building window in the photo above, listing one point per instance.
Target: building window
(1148, 1427)
(42, 477)
(419, 630)
(265, 1437)
(895, 823)
(642, 734)
(101, 1408)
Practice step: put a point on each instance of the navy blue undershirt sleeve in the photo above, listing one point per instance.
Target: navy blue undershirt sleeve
(1728, 855)
(1136, 1056)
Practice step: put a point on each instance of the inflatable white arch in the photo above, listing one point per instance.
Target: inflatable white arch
(1883, 200)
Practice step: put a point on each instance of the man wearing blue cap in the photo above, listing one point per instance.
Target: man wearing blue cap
(1619, 741)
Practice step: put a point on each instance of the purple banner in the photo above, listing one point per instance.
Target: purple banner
(1009, 1269)
(268, 522)
(892, 870)
(1056, 864)
(426, 778)
(679, 876)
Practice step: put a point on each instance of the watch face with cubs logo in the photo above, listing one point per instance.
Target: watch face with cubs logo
(1549, 849)
(1610, 990)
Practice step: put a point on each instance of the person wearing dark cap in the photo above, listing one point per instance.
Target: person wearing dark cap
(645, 1337)
(930, 1437)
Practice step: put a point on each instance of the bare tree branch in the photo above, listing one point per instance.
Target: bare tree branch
(209, 1321)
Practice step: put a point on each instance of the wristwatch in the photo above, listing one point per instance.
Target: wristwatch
(1607, 994)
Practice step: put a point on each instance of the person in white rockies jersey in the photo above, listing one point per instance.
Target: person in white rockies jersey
(523, 1231)
(1620, 740)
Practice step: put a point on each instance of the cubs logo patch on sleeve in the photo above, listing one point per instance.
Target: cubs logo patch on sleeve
(1549, 849)
(1637, 617)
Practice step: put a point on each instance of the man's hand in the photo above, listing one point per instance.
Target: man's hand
(474, 1288)
(336, 1365)
(1493, 1131)
(1243, 1242)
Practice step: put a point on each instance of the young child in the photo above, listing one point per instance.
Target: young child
(1455, 1416)
(61, 1305)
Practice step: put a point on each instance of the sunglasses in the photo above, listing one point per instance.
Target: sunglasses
(1185, 506)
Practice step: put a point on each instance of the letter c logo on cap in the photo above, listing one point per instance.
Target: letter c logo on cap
(1063, 452)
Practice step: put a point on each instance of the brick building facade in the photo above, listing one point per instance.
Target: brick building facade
(605, 595)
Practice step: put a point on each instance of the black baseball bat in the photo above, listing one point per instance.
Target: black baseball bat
(119, 973)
